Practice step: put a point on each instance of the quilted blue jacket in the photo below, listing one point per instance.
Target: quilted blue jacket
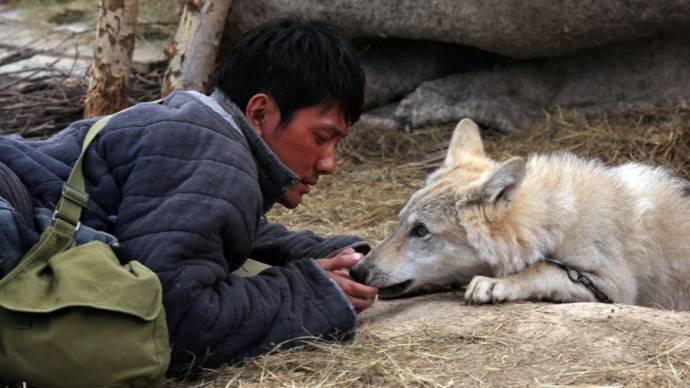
(184, 186)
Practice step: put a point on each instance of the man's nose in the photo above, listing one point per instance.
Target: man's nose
(326, 165)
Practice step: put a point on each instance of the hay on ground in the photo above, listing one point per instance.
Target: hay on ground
(436, 341)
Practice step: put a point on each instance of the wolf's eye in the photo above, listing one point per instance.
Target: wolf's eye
(420, 231)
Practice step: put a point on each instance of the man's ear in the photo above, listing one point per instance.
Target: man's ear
(466, 140)
(262, 113)
(500, 189)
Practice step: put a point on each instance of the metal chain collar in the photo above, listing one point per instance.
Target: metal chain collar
(576, 276)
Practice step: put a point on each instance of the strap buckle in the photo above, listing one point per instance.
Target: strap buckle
(55, 218)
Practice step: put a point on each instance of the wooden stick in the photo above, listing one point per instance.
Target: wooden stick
(194, 49)
(107, 91)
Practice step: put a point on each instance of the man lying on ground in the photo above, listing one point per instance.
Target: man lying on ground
(184, 186)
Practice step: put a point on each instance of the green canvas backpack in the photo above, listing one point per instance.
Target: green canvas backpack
(73, 316)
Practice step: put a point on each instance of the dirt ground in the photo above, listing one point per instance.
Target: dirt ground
(437, 341)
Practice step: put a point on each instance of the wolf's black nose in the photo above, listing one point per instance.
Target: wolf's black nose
(359, 273)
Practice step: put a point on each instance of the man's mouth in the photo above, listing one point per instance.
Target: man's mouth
(395, 290)
(307, 185)
(305, 188)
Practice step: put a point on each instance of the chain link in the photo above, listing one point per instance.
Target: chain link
(576, 276)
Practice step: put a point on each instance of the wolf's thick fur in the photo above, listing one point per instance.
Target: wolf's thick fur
(490, 225)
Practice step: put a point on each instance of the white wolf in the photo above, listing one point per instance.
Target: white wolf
(557, 227)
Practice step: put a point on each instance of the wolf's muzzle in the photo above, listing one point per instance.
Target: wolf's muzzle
(359, 274)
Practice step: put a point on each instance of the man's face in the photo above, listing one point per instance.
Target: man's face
(306, 144)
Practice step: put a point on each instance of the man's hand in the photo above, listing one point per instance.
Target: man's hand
(360, 296)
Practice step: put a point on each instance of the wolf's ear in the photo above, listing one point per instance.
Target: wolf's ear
(466, 140)
(500, 189)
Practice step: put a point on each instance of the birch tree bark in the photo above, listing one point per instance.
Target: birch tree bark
(193, 51)
(107, 91)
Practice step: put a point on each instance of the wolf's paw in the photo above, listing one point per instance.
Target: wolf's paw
(482, 290)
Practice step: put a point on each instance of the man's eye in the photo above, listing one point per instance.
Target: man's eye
(320, 139)
(420, 231)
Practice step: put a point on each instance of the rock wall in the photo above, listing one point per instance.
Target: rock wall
(502, 62)
(514, 28)
(611, 80)
(395, 67)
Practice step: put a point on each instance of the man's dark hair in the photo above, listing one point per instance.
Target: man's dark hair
(299, 63)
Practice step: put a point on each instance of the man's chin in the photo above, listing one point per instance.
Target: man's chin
(290, 202)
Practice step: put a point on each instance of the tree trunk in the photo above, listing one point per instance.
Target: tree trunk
(112, 58)
(193, 51)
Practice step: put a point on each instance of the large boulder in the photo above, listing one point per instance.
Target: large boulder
(612, 80)
(395, 67)
(515, 28)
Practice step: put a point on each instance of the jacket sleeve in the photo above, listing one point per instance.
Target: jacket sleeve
(275, 245)
(189, 209)
(216, 320)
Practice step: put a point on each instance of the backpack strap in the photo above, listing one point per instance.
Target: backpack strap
(68, 210)
(74, 197)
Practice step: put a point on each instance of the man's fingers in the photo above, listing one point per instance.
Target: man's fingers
(358, 290)
(343, 260)
(354, 289)
(342, 272)
(361, 304)
(359, 295)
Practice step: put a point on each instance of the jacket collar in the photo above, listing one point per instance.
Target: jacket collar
(275, 178)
